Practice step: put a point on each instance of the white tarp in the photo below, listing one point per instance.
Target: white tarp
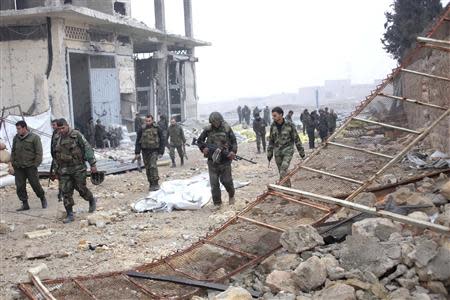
(184, 194)
(39, 122)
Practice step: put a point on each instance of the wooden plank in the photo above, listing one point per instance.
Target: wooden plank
(38, 233)
(332, 175)
(362, 208)
(189, 282)
(41, 287)
(433, 41)
(386, 125)
(425, 75)
(412, 101)
(261, 223)
(360, 150)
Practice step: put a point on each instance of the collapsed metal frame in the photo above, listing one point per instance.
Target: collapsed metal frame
(177, 262)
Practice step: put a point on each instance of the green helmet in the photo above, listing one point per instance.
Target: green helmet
(97, 178)
(216, 118)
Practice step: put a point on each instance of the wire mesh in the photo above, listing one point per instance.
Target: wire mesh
(67, 290)
(113, 287)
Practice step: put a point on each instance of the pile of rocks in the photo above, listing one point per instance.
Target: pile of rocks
(380, 259)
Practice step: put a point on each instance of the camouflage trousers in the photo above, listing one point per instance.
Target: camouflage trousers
(179, 150)
(220, 174)
(21, 175)
(283, 160)
(261, 139)
(74, 181)
(151, 168)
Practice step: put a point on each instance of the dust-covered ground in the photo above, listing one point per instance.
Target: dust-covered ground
(131, 239)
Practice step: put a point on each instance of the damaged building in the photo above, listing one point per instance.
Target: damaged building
(79, 58)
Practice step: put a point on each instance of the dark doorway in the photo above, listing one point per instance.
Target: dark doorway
(81, 94)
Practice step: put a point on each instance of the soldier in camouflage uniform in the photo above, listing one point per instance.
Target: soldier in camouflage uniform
(267, 115)
(323, 125)
(310, 127)
(332, 118)
(177, 140)
(26, 156)
(259, 127)
(71, 151)
(151, 141)
(55, 137)
(282, 137)
(219, 134)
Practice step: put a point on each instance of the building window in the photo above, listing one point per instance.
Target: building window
(123, 40)
(119, 7)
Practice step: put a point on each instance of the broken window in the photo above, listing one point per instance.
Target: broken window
(101, 36)
(124, 40)
(119, 7)
(102, 62)
(14, 33)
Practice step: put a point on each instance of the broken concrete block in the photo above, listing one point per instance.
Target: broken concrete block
(444, 218)
(40, 271)
(301, 238)
(99, 219)
(367, 254)
(338, 291)
(436, 287)
(4, 228)
(380, 228)
(399, 294)
(367, 199)
(234, 293)
(36, 253)
(445, 190)
(310, 274)
(38, 233)
(424, 251)
(282, 262)
(439, 267)
(279, 281)
(419, 215)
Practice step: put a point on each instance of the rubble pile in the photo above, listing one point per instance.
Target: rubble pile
(378, 259)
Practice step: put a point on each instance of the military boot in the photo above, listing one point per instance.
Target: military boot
(231, 201)
(69, 217)
(44, 202)
(182, 161)
(174, 165)
(24, 206)
(92, 205)
(154, 186)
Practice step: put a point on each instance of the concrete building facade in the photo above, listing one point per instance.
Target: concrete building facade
(79, 59)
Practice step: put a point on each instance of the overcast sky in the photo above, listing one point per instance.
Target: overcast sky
(263, 47)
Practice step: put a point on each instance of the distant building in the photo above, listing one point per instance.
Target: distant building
(79, 59)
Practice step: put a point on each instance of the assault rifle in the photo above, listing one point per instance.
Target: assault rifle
(224, 152)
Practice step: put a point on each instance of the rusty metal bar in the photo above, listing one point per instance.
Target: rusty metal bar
(24, 288)
(301, 202)
(261, 223)
(440, 48)
(399, 155)
(426, 75)
(363, 208)
(412, 101)
(360, 150)
(331, 175)
(139, 286)
(433, 41)
(178, 271)
(41, 287)
(386, 125)
(81, 286)
(241, 253)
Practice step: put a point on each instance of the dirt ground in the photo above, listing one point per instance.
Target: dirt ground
(131, 239)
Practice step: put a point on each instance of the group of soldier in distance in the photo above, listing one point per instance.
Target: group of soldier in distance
(72, 151)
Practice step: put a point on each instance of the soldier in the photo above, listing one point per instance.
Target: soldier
(323, 125)
(246, 114)
(26, 156)
(239, 112)
(267, 115)
(100, 134)
(219, 134)
(137, 122)
(256, 111)
(289, 116)
(332, 118)
(177, 139)
(150, 140)
(90, 131)
(303, 117)
(54, 139)
(310, 127)
(72, 150)
(259, 127)
(282, 136)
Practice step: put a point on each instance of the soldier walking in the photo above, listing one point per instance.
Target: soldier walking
(177, 140)
(303, 117)
(26, 156)
(72, 150)
(239, 112)
(323, 125)
(55, 137)
(151, 141)
(246, 114)
(282, 138)
(267, 115)
(100, 135)
(259, 127)
(332, 119)
(90, 131)
(137, 122)
(310, 126)
(220, 135)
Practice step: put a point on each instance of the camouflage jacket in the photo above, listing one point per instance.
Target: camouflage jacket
(150, 138)
(176, 135)
(72, 151)
(26, 151)
(222, 137)
(259, 126)
(282, 138)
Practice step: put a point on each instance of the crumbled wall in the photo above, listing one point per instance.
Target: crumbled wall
(430, 90)
(190, 90)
